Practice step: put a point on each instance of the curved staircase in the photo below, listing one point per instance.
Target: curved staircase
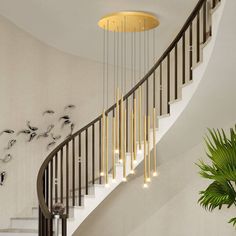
(71, 174)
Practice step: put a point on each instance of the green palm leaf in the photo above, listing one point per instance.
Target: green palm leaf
(222, 171)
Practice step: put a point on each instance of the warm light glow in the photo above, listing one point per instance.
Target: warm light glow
(155, 174)
(132, 172)
(121, 161)
(149, 180)
(116, 151)
(124, 179)
(139, 151)
(113, 180)
(102, 174)
(107, 185)
(135, 161)
(145, 185)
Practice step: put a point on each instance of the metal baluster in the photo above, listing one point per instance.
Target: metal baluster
(73, 172)
(67, 178)
(93, 154)
(183, 58)
(168, 83)
(198, 37)
(61, 175)
(56, 177)
(100, 150)
(191, 51)
(86, 161)
(176, 71)
(79, 180)
(161, 89)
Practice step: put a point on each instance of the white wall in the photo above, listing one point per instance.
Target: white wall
(35, 77)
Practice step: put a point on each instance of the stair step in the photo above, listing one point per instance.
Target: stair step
(18, 232)
(24, 223)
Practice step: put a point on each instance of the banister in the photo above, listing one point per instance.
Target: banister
(44, 208)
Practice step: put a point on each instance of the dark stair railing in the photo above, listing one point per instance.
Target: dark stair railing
(70, 171)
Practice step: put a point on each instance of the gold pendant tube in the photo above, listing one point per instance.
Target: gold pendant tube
(134, 132)
(131, 141)
(149, 154)
(154, 144)
(139, 117)
(121, 130)
(113, 147)
(145, 151)
(117, 121)
(124, 147)
(103, 144)
(106, 149)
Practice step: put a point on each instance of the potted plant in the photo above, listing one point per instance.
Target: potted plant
(221, 171)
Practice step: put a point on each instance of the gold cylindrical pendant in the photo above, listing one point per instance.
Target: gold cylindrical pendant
(124, 146)
(113, 147)
(106, 149)
(139, 117)
(131, 143)
(103, 144)
(149, 154)
(154, 143)
(121, 130)
(134, 132)
(117, 121)
(145, 150)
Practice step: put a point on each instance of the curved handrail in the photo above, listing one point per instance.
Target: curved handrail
(49, 158)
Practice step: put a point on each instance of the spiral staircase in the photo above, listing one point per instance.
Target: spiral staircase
(85, 168)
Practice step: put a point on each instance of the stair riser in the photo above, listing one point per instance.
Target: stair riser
(24, 224)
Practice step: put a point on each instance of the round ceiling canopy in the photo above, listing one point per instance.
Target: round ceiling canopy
(129, 21)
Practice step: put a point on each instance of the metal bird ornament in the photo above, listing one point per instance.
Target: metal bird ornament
(72, 126)
(66, 122)
(51, 144)
(43, 135)
(50, 127)
(55, 138)
(24, 131)
(48, 112)
(31, 127)
(3, 175)
(6, 158)
(66, 117)
(11, 144)
(7, 131)
(69, 107)
(32, 136)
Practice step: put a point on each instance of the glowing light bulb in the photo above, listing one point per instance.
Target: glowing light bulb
(145, 185)
(116, 151)
(113, 180)
(102, 174)
(155, 174)
(132, 172)
(148, 180)
(107, 185)
(124, 179)
(121, 161)
(135, 161)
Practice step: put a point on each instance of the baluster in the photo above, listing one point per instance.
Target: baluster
(106, 166)
(93, 154)
(67, 178)
(168, 83)
(100, 150)
(51, 184)
(204, 21)
(79, 180)
(73, 172)
(131, 143)
(154, 124)
(176, 71)
(145, 151)
(86, 161)
(113, 144)
(61, 151)
(198, 37)
(134, 128)
(64, 226)
(127, 131)
(190, 51)
(148, 151)
(56, 177)
(139, 116)
(161, 89)
(213, 4)
(183, 58)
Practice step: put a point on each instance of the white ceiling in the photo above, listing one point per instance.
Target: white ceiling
(71, 25)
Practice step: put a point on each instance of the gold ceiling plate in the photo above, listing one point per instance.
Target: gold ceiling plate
(129, 21)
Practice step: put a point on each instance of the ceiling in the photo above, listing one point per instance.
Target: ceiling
(71, 26)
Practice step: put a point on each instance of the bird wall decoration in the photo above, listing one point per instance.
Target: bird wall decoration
(2, 177)
(7, 131)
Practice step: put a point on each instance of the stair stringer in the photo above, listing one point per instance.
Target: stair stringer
(165, 123)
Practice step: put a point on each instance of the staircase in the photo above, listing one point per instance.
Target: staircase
(71, 174)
